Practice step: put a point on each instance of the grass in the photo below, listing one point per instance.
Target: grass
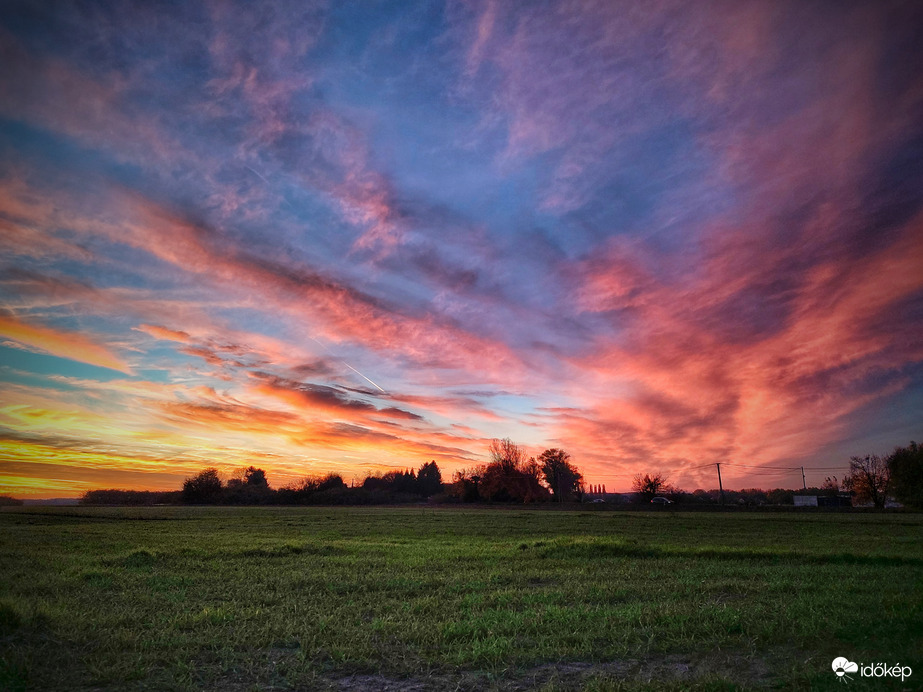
(397, 598)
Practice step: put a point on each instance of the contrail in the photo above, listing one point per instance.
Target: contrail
(363, 376)
(256, 174)
(328, 352)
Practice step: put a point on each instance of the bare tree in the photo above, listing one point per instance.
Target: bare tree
(869, 478)
(647, 485)
(507, 455)
(509, 477)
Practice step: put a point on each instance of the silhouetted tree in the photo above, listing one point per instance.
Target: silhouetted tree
(429, 479)
(869, 478)
(404, 482)
(506, 455)
(562, 476)
(255, 477)
(203, 488)
(780, 496)
(375, 482)
(327, 489)
(648, 486)
(532, 470)
(332, 481)
(906, 466)
(751, 497)
(509, 477)
(248, 476)
(248, 486)
(393, 482)
(466, 484)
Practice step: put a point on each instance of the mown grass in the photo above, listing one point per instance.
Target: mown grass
(364, 598)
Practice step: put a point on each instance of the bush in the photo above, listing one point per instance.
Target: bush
(203, 489)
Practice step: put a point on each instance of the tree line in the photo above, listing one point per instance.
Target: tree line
(870, 480)
(510, 476)
(874, 479)
(250, 486)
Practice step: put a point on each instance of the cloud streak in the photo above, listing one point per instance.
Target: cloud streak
(72, 345)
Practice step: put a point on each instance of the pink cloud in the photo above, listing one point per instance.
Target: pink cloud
(92, 110)
(451, 407)
(486, 20)
(690, 386)
(339, 312)
(165, 334)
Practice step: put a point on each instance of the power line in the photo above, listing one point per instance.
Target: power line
(753, 466)
(786, 468)
(768, 473)
(750, 466)
(765, 470)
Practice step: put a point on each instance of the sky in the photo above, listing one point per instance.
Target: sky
(359, 236)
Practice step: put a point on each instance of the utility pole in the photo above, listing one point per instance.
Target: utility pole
(720, 487)
(804, 483)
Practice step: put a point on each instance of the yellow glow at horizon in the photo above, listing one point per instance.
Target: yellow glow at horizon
(40, 488)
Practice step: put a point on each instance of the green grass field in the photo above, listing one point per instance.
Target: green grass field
(417, 598)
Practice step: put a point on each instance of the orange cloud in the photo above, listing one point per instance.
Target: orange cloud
(451, 407)
(63, 344)
(232, 417)
(164, 334)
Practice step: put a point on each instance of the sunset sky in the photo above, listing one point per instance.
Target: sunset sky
(354, 236)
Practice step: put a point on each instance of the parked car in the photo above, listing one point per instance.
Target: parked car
(661, 501)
